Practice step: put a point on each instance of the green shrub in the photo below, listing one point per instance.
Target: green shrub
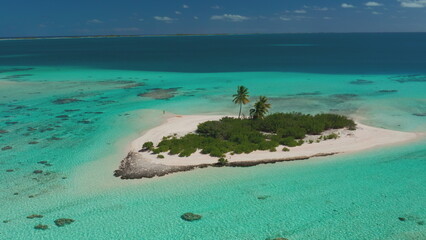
(175, 150)
(167, 137)
(156, 151)
(295, 132)
(331, 136)
(206, 150)
(147, 146)
(187, 152)
(289, 142)
(286, 149)
(222, 161)
(266, 145)
(160, 156)
(215, 152)
(163, 148)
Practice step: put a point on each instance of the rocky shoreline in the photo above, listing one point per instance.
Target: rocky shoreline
(133, 166)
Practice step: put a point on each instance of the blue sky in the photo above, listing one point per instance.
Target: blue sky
(94, 17)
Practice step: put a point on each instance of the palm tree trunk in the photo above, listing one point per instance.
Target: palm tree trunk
(239, 114)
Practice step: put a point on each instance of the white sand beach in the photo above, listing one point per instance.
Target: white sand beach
(364, 137)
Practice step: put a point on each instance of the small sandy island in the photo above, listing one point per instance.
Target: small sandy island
(146, 165)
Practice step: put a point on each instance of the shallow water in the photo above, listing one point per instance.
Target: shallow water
(80, 113)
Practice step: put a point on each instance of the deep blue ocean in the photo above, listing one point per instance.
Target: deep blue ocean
(348, 53)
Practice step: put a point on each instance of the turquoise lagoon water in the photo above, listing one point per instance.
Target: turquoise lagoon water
(377, 79)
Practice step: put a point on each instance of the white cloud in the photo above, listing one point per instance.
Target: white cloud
(320, 8)
(141, 19)
(413, 3)
(95, 21)
(376, 13)
(216, 7)
(178, 13)
(196, 18)
(300, 11)
(285, 18)
(345, 5)
(327, 18)
(373, 4)
(316, 8)
(230, 17)
(164, 19)
(294, 18)
(185, 6)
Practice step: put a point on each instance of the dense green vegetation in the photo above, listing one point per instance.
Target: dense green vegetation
(236, 136)
(245, 135)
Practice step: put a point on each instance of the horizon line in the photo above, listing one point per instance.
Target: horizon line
(178, 34)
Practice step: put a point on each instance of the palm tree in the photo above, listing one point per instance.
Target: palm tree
(241, 97)
(261, 107)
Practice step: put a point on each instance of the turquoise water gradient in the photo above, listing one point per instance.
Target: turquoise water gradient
(357, 196)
